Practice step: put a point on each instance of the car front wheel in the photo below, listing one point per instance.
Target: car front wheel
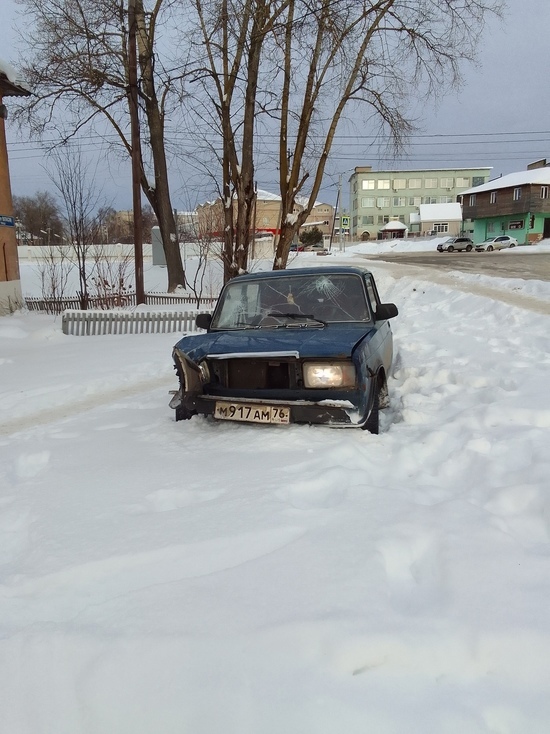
(512, 244)
(372, 424)
(450, 248)
(490, 248)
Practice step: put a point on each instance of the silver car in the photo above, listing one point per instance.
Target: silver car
(456, 243)
(502, 242)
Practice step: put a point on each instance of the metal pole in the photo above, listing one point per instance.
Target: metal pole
(340, 236)
(136, 151)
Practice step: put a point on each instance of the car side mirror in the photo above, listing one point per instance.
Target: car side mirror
(203, 320)
(386, 311)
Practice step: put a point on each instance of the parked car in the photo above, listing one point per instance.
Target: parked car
(496, 243)
(309, 345)
(456, 243)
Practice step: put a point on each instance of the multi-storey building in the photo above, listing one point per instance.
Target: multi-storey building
(377, 197)
(517, 204)
(267, 215)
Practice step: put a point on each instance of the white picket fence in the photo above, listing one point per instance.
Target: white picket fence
(93, 323)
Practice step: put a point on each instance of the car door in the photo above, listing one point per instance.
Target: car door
(382, 342)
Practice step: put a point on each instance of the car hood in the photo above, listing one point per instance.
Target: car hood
(330, 341)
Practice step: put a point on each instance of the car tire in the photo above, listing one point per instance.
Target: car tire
(468, 248)
(372, 424)
(450, 248)
(490, 248)
(183, 414)
(512, 244)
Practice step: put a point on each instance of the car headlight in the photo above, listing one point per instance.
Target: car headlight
(329, 374)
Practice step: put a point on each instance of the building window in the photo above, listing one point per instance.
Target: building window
(446, 183)
(354, 205)
(462, 183)
(478, 180)
(517, 193)
(380, 219)
(493, 197)
(429, 199)
(544, 192)
(399, 183)
(400, 201)
(402, 218)
(430, 183)
(532, 221)
(472, 199)
(367, 202)
(415, 201)
(383, 202)
(446, 200)
(384, 183)
(367, 184)
(490, 226)
(516, 224)
(415, 183)
(369, 219)
(441, 226)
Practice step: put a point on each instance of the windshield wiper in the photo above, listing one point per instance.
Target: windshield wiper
(297, 317)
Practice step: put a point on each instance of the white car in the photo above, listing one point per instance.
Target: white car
(496, 243)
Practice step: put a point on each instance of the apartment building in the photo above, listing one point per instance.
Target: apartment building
(378, 197)
(517, 205)
(267, 215)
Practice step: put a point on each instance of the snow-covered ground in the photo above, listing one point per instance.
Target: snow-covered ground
(160, 577)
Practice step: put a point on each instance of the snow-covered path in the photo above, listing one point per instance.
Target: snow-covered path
(200, 577)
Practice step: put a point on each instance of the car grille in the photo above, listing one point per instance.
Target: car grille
(256, 374)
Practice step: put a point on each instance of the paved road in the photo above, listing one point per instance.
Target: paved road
(535, 266)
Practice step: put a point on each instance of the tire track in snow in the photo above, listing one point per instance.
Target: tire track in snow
(74, 407)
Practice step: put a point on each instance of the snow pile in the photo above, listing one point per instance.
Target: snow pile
(214, 577)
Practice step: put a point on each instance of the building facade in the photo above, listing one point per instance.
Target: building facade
(10, 282)
(378, 197)
(267, 215)
(517, 205)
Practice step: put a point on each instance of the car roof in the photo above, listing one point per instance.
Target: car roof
(324, 270)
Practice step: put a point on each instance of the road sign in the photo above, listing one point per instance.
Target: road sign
(6, 221)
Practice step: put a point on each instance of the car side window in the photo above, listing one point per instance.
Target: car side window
(373, 295)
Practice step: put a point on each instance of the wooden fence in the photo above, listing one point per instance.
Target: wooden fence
(92, 323)
(59, 305)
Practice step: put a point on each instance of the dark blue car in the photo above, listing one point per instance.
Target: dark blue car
(311, 345)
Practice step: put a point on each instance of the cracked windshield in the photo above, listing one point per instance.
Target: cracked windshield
(296, 300)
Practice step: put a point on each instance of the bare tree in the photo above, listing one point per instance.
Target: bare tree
(78, 61)
(75, 183)
(296, 66)
(373, 54)
(233, 35)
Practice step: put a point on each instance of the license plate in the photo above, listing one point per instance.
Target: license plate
(251, 413)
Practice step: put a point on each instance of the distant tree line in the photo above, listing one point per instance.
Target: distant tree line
(40, 220)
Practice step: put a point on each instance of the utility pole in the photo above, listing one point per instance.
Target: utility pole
(136, 151)
(340, 236)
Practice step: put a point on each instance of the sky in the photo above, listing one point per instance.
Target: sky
(498, 119)
(205, 577)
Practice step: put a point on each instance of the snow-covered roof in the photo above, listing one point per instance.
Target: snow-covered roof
(13, 84)
(393, 225)
(448, 212)
(267, 196)
(534, 176)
